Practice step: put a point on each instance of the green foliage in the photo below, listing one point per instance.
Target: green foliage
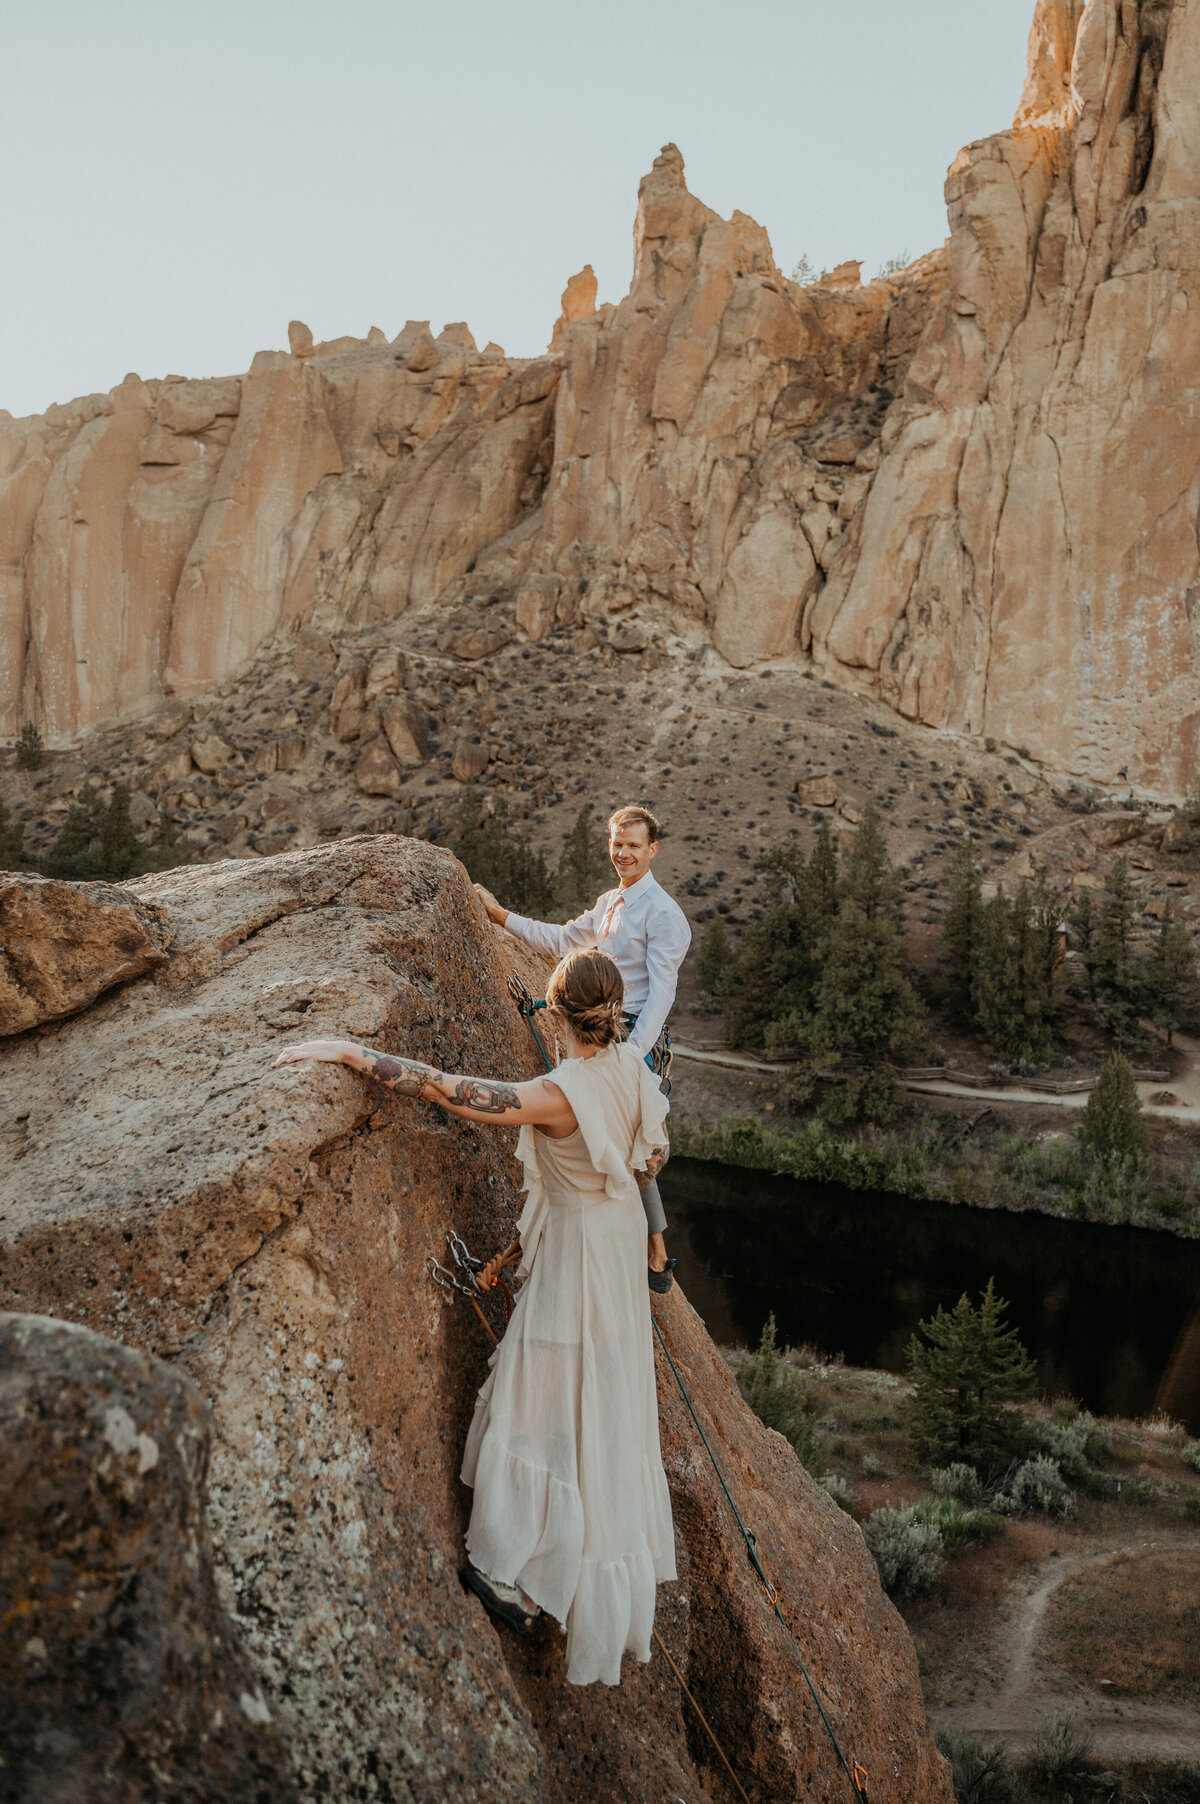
(1112, 1124)
(30, 750)
(779, 1393)
(1059, 1752)
(12, 840)
(1171, 988)
(839, 1489)
(495, 857)
(167, 850)
(1073, 1446)
(981, 1774)
(957, 1481)
(958, 1526)
(967, 1373)
(962, 928)
(713, 956)
(910, 1555)
(584, 871)
(1190, 1455)
(767, 987)
(96, 841)
(1036, 1488)
(865, 1009)
(1017, 987)
(1105, 933)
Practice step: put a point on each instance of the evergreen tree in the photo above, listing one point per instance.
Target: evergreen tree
(1083, 925)
(1016, 983)
(76, 852)
(962, 930)
(1114, 968)
(30, 750)
(167, 850)
(866, 1010)
(1112, 1124)
(1169, 976)
(967, 1371)
(12, 837)
(767, 987)
(584, 871)
(713, 956)
(495, 857)
(120, 848)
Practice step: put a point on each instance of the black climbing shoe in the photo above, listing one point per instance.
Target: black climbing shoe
(661, 1282)
(503, 1601)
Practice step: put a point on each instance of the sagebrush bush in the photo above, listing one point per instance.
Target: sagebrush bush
(1036, 1488)
(910, 1555)
(1074, 1445)
(1059, 1751)
(959, 1481)
(958, 1526)
(1190, 1455)
(981, 1775)
(839, 1488)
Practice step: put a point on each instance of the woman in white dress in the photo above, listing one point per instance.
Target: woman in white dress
(571, 1512)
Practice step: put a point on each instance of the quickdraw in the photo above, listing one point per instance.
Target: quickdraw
(465, 1279)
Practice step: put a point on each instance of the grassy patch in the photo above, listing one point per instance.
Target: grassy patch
(1132, 1624)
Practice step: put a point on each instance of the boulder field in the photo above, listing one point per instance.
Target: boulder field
(232, 1403)
(968, 489)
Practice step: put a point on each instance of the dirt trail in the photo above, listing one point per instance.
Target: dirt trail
(1015, 1708)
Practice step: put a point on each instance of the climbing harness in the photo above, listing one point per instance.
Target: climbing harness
(857, 1775)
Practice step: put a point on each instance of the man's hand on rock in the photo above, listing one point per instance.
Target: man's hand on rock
(494, 911)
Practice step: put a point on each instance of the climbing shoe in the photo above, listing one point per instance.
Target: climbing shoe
(508, 1602)
(661, 1282)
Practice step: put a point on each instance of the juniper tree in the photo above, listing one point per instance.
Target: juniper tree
(497, 858)
(583, 871)
(962, 929)
(30, 750)
(767, 987)
(120, 848)
(713, 956)
(1015, 979)
(1113, 973)
(76, 852)
(968, 1370)
(12, 838)
(1112, 1124)
(865, 1009)
(1169, 976)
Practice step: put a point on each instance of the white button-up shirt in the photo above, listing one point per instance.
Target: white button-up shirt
(647, 940)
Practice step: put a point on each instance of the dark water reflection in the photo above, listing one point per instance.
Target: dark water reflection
(1111, 1315)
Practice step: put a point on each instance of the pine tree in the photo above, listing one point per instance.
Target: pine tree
(713, 955)
(865, 1008)
(120, 848)
(76, 852)
(767, 987)
(962, 931)
(1083, 925)
(12, 837)
(30, 750)
(1169, 976)
(1115, 973)
(495, 857)
(823, 880)
(1112, 1124)
(997, 993)
(967, 1371)
(584, 871)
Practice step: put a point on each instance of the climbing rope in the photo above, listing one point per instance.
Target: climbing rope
(857, 1775)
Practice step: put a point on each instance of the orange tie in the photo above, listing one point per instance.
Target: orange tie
(610, 915)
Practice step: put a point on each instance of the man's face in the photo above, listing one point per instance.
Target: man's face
(631, 850)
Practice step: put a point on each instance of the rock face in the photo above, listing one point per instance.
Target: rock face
(63, 944)
(122, 1676)
(969, 490)
(268, 1234)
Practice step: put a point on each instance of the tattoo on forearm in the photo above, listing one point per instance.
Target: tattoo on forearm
(656, 1161)
(405, 1076)
(489, 1098)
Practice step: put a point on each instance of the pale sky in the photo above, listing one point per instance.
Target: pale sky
(182, 177)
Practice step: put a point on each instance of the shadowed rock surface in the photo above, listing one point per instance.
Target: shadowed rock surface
(63, 944)
(122, 1676)
(268, 1233)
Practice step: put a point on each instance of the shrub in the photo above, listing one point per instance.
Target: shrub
(958, 1481)
(910, 1555)
(12, 840)
(981, 1775)
(1112, 1124)
(778, 1393)
(838, 1487)
(958, 1526)
(1036, 1488)
(1073, 1446)
(1059, 1751)
(1190, 1455)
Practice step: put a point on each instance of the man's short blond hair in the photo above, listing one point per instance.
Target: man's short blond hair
(633, 817)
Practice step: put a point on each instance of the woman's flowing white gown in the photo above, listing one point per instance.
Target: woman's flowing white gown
(571, 1501)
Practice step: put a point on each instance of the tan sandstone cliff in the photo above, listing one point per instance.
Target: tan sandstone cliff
(267, 1233)
(970, 490)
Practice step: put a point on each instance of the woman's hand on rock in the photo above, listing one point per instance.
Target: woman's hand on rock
(330, 1052)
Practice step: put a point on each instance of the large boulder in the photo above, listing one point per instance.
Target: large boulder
(269, 1233)
(64, 944)
(122, 1674)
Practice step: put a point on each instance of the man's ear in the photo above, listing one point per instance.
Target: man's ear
(653, 848)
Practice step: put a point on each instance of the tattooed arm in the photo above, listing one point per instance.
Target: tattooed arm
(654, 1164)
(470, 1098)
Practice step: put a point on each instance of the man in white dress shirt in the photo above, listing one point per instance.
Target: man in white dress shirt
(646, 934)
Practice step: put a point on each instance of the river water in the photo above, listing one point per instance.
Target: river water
(1111, 1315)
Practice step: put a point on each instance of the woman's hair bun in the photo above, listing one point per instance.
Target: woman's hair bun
(587, 993)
